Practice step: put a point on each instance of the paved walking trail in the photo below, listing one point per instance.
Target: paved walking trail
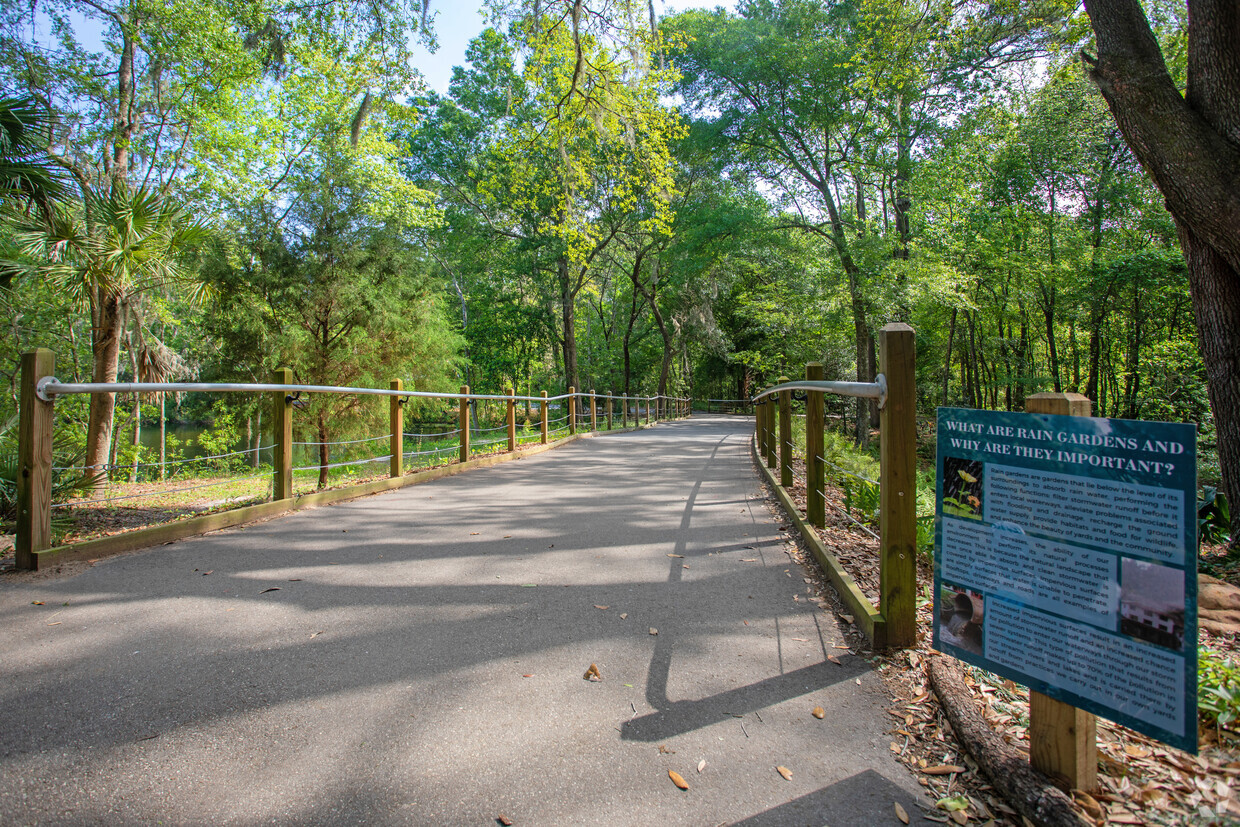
(417, 657)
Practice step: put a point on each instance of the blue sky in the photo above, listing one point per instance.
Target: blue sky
(460, 22)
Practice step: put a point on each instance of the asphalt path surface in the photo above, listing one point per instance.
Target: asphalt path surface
(417, 657)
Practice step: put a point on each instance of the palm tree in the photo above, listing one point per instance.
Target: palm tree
(27, 176)
(126, 242)
(26, 173)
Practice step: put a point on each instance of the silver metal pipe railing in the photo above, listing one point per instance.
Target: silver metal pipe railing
(863, 390)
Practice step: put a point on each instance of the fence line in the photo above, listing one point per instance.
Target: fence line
(893, 623)
(39, 389)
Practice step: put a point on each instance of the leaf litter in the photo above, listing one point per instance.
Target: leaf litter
(1141, 781)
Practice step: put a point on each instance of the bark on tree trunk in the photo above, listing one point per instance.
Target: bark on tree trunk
(1190, 145)
(568, 301)
(105, 349)
(324, 452)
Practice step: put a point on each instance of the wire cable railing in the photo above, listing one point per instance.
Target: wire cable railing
(433, 443)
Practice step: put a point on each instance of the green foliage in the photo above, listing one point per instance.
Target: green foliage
(1213, 517)
(1218, 690)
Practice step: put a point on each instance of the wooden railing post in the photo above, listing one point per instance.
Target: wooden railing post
(463, 423)
(647, 410)
(785, 436)
(512, 420)
(34, 462)
(572, 409)
(396, 421)
(897, 510)
(593, 411)
(282, 437)
(542, 413)
(610, 422)
(624, 411)
(815, 468)
(1062, 738)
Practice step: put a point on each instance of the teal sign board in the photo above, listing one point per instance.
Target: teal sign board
(1065, 559)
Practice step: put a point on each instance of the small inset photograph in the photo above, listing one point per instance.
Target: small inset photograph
(962, 487)
(1151, 603)
(960, 618)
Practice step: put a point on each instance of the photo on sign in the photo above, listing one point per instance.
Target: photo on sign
(962, 487)
(1151, 603)
(961, 612)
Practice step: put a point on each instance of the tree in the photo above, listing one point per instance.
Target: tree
(1190, 145)
(133, 241)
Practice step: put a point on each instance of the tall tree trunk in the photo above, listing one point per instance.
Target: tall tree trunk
(947, 360)
(568, 302)
(137, 412)
(904, 172)
(324, 449)
(105, 353)
(1190, 145)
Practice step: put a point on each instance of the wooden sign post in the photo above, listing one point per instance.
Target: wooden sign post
(1062, 738)
(34, 462)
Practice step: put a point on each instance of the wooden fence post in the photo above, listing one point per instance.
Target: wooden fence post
(512, 419)
(785, 436)
(542, 408)
(593, 411)
(610, 423)
(572, 409)
(463, 423)
(396, 420)
(624, 411)
(1062, 738)
(282, 433)
(34, 462)
(897, 509)
(647, 410)
(815, 468)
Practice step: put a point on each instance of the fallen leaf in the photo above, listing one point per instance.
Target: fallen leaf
(1136, 752)
(37, 603)
(315, 634)
(846, 618)
(205, 573)
(473, 534)
(678, 779)
(802, 639)
(749, 559)
(272, 589)
(819, 713)
(294, 580)
(624, 615)
(675, 555)
(653, 631)
(664, 749)
(701, 765)
(528, 676)
(960, 817)
(504, 820)
(1088, 803)
(592, 674)
(57, 623)
(834, 660)
(953, 804)
(943, 769)
(901, 813)
(601, 608)
(785, 772)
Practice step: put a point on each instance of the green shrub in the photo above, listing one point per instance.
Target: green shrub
(1218, 690)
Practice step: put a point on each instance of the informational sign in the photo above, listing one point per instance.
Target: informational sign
(1065, 560)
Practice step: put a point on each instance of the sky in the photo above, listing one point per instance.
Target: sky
(462, 21)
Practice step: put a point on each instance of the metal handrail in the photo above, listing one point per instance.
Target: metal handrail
(863, 390)
(49, 387)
